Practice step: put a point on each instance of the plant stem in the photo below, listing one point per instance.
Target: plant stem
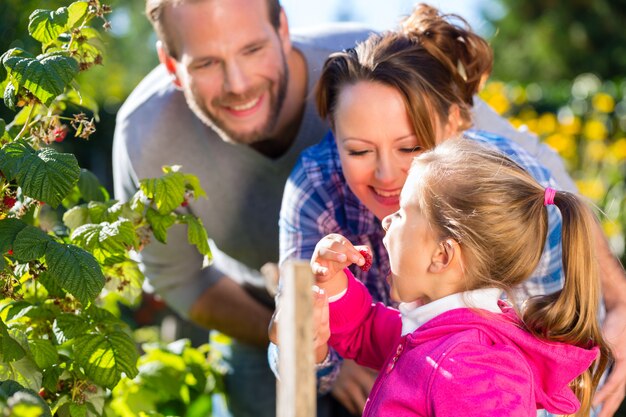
(26, 123)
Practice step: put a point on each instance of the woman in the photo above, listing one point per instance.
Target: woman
(387, 100)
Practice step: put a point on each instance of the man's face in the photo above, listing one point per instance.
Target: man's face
(231, 65)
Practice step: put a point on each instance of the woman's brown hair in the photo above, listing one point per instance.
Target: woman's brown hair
(434, 60)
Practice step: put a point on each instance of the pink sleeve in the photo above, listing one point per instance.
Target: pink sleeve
(361, 330)
(481, 381)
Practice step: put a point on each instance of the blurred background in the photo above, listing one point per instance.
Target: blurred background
(560, 71)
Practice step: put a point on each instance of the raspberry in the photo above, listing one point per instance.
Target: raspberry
(368, 260)
(9, 201)
(59, 133)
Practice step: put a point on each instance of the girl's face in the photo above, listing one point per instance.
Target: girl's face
(376, 143)
(411, 244)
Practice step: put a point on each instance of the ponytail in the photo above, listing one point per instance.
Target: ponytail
(570, 315)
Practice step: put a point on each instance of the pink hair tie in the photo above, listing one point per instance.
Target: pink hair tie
(548, 197)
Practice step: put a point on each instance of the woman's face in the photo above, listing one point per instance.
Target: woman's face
(376, 143)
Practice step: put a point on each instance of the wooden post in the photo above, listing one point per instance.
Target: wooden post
(297, 387)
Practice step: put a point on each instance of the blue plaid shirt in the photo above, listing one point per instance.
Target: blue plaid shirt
(317, 201)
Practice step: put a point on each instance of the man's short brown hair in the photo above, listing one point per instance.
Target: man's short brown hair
(154, 12)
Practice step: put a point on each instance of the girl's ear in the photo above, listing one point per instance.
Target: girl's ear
(442, 257)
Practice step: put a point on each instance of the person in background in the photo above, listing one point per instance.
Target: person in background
(387, 100)
(231, 103)
(471, 225)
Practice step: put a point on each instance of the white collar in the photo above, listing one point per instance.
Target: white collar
(413, 316)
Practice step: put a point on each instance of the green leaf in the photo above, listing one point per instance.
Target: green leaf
(78, 410)
(9, 347)
(104, 357)
(90, 187)
(168, 191)
(27, 403)
(44, 353)
(46, 75)
(10, 96)
(69, 326)
(76, 216)
(194, 183)
(24, 371)
(46, 25)
(76, 270)
(106, 240)
(9, 228)
(3, 126)
(77, 12)
(129, 273)
(160, 223)
(51, 285)
(44, 175)
(97, 211)
(30, 244)
(197, 235)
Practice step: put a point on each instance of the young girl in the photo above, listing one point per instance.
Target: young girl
(471, 224)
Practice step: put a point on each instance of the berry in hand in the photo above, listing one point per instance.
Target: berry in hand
(368, 260)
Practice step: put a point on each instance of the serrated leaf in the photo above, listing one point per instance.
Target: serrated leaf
(132, 276)
(197, 235)
(51, 285)
(30, 244)
(104, 357)
(24, 371)
(76, 12)
(160, 223)
(69, 326)
(78, 410)
(46, 25)
(76, 270)
(97, 211)
(9, 347)
(27, 403)
(45, 76)
(76, 216)
(168, 191)
(44, 175)
(10, 96)
(9, 228)
(106, 240)
(194, 183)
(90, 187)
(44, 352)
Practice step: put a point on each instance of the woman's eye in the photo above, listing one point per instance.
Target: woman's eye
(357, 153)
(413, 149)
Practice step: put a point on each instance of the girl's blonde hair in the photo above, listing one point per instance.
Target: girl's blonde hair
(495, 210)
(434, 60)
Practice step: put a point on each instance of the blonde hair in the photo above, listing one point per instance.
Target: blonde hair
(495, 210)
(434, 60)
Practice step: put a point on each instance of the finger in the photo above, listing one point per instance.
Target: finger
(319, 270)
(333, 255)
(615, 383)
(610, 405)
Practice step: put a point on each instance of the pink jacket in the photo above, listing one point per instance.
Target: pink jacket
(463, 362)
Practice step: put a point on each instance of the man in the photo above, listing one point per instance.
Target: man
(231, 104)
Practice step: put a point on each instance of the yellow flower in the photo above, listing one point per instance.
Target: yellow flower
(518, 95)
(516, 122)
(611, 228)
(527, 114)
(499, 102)
(596, 151)
(592, 188)
(563, 144)
(618, 149)
(603, 102)
(595, 130)
(546, 123)
(571, 125)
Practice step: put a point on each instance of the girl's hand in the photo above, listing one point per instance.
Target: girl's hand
(332, 255)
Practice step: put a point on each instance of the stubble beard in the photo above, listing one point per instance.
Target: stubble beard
(260, 134)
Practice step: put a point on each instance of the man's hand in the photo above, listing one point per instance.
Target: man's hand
(353, 385)
(611, 395)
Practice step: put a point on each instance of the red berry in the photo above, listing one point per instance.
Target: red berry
(10, 252)
(9, 201)
(185, 203)
(368, 260)
(59, 133)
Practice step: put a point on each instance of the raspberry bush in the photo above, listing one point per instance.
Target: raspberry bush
(65, 247)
